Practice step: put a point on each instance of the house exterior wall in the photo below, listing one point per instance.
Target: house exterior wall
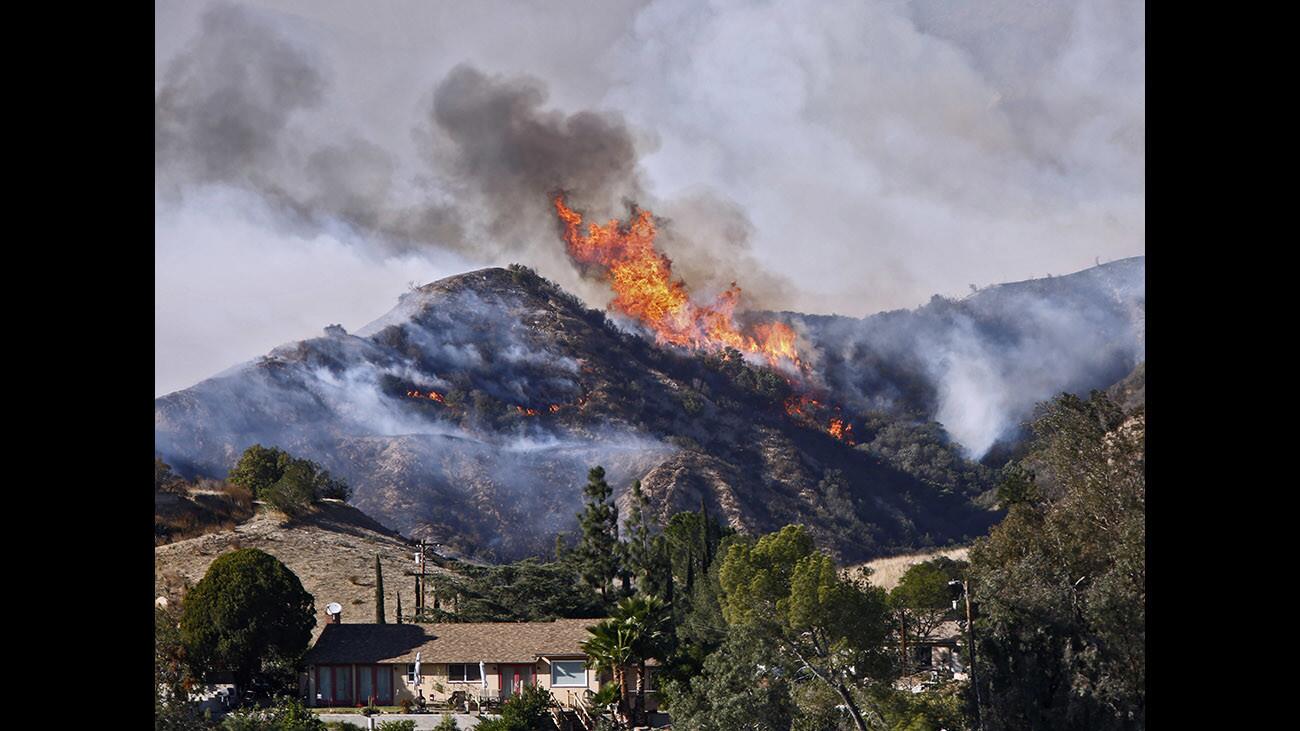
(436, 685)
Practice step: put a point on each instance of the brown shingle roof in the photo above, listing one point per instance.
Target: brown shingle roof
(436, 643)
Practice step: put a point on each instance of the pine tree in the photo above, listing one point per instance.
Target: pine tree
(598, 554)
(706, 536)
(639, 551)
(379, 592)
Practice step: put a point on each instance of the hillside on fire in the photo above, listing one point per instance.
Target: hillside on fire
(470, 413)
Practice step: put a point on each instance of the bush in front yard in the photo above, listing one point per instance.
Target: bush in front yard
(406, 725)
(288, 714)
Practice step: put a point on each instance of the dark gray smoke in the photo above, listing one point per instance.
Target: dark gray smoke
(245, 106)
(224, 106)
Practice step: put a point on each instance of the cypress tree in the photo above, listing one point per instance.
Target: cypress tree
(705, 536)
(379, 592)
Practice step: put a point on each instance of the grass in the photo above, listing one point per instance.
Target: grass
(885, 572)
(356, 710)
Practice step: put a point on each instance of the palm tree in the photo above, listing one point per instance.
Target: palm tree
(647, 622)
(637, 631)
(610, 648)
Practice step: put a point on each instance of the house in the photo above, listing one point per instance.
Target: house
(351, 663)
(939, 653)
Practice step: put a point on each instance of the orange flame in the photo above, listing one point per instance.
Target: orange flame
(434, 395)
(527, 411)
(644, 288)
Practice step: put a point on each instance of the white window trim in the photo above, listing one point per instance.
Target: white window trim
(586, 675)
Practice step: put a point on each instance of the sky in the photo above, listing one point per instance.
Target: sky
(315, 159)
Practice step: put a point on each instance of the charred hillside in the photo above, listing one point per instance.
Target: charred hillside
(470, 413)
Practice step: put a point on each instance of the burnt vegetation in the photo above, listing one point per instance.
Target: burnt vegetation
(468, 414)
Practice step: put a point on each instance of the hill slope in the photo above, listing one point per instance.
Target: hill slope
(331, 552)
(470, 414)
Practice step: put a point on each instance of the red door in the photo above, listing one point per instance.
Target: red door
(512, 678)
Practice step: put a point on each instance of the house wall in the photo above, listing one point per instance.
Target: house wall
(436, 685)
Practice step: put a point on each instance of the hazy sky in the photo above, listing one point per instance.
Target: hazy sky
(313, 159)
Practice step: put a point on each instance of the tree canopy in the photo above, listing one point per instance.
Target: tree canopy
(783, 588)
(247, 610)
(289, 483)
(1060, 584)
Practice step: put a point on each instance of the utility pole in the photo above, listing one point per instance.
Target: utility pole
(902, 626)
(970, 633)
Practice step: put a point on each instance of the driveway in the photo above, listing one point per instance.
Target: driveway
(423, 721)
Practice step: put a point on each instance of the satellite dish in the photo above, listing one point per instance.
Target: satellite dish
(333, 608)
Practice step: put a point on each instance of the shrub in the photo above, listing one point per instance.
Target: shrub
(288, 714)
(407, 725)
(448, 723)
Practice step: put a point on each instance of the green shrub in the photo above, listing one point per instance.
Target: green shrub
(288, 714)
(448, 723)
(407, 725)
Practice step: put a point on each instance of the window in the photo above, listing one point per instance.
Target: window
(568, 673)
(410, 673)
(464, 673)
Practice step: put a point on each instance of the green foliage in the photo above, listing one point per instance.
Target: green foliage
(638, 553)
(173, 709)
(276, 476)
(741, 685)
(1017, 486)
(524, 591)
(1060, 583)
(248, 610)
(610, 693)
(406, 725)
(293, 493)
(379, 592)
(758, 384)
(922, 599)
(597, 554)
(692, 403)
(783, 589)
(934, 710)
(288, 714)
(925, 451)
(527, 710)
(448, 723)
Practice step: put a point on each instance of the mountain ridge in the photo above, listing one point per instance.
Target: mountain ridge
(532, 387)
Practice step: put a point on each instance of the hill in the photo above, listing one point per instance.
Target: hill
(470, 414)
(332, 552)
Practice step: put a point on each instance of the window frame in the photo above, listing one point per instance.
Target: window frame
(586, 677)
(464, 673)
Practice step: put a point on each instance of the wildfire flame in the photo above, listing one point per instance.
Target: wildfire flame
(433, 395)
(644, 288)
(526, 411)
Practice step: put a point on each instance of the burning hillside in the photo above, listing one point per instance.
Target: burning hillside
(471, 412)
(624, 255)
